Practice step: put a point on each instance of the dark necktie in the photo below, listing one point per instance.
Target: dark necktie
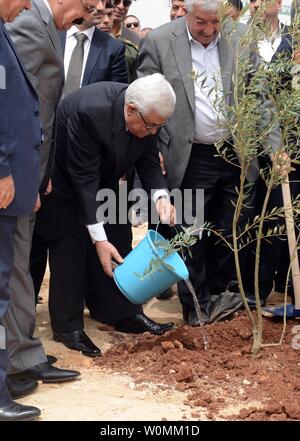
(75, 67)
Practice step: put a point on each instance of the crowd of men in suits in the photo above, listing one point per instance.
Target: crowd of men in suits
(81, 128)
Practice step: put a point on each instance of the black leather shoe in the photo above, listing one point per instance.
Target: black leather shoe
(20, 387)
(78, 341)
(18, 412)
(49, 374)
(51, 359)
(165, 295)
(141, 323)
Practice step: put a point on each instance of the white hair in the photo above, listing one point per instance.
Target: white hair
(205, 5)
(152, 93)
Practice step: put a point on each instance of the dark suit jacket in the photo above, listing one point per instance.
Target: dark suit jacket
(106, 59)
(284, 53)
(36, 39)
(20, 129)
(286, 46)
(93, 151)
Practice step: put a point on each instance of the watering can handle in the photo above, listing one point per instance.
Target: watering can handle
(115, 264)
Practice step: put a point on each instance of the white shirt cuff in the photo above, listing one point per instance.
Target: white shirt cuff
(159, 193)
(97, 232)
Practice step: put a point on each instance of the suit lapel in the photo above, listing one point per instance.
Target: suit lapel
(226, 65)
(63, 38)
(9, 41)
(53, 34)
(94, 54)
(182, 53)
(50, 28)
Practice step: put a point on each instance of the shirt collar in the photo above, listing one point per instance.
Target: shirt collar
(210, 46)
(48, 7)
(277, 33)
(88, 32)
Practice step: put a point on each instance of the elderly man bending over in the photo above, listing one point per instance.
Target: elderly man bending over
(104, 131)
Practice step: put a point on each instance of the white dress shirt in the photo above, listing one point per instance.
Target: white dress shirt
(206, 63)
(269, 46)
(71, 42)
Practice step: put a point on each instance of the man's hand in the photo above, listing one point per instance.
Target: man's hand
(108, 256)
(166, 211)
(7, 191)
(49, 188)
(282, 163)
(37, 204)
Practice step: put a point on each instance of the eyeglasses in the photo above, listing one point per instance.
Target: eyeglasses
(151, 126)
(126, 3)
(129, 25)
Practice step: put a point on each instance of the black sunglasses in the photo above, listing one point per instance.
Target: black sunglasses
(126, 3)
(135, 25)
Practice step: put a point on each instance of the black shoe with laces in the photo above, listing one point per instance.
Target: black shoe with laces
(141, 323)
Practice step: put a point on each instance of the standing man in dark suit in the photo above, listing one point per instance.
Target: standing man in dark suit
(104, 131)
(103, 59)
(35, 36)
(104, 56)
(19, 180)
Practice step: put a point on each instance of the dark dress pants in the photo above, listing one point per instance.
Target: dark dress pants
(7, 231)
(104, 300)
(212, 266)
(68, 259)
(67, 262)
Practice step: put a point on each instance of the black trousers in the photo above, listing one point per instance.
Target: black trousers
(274, 258)
(66, 262)
(7, 231)
(104, 300)
(212, 266)
(69, 257)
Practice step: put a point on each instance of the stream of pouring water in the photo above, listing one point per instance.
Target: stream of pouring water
(199, 313)
(196, 303)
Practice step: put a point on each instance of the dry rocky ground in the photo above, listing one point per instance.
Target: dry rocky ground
(172, 377)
